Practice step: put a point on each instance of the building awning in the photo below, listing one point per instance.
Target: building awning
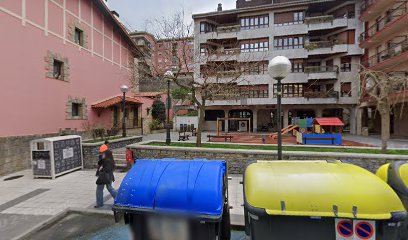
(329, 122)
(115, 101)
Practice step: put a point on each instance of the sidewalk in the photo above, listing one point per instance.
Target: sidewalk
(375, 140)
(25, 202)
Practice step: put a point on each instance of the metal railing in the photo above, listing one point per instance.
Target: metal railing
(319, 19)
(321, 69)
(319, 44)
(228, 28)
(395, 49)
(328, 94)
(229, 51)
(392, 16)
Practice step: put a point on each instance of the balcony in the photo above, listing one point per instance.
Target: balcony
(329, 94)
(372, 8)
(228, 30)
(395, 55)
(322, 72)
(325, 22)
(388, 26)
(325, 48)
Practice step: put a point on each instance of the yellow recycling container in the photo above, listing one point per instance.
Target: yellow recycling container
(396, 175)
(313, 200)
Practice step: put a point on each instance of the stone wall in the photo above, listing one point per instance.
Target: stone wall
(90, 151)
(15, 153)
(238, 160)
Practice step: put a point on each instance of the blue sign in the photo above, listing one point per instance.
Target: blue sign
(364, 230)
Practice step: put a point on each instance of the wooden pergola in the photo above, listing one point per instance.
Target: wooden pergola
(233, 119)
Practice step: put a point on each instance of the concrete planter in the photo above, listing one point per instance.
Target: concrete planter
(238, 159)
(90, 151)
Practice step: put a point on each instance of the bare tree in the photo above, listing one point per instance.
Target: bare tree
(386, 91)
(219, 67)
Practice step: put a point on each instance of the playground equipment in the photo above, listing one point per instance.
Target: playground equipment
(175, 199)
(325, 131)
(305, 200)
(396, 175)
(284, 131)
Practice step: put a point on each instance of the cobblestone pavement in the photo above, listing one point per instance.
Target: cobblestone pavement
(25, 201)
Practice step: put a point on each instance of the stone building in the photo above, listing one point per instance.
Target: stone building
(319, 37)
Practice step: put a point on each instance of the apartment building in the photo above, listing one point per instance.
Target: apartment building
(159, 56)
(319, 37)
(385, 40)
(62, 65)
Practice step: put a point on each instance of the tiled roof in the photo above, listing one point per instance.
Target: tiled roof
(114, 101)
(329, 122)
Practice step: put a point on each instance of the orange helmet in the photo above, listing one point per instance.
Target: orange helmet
(103, 148)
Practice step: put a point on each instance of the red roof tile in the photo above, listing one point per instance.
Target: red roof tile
(329, 122)
(114, 101)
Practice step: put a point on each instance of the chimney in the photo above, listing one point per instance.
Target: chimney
(116, 14)
(219, 9)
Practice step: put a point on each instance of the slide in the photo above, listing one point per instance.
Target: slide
(284, 131)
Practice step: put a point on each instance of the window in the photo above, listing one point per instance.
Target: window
(288, 42)
(345, 89)
(255, 91)
(76, 110)
(345, 64)
(255, 68)
(289, 18)
(212, 115)
(297, 65)
(79, 35)
(206, 27)
(58, 68)
(290, 90)
(254, 22)
(255, 45)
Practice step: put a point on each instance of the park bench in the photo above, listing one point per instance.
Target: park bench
(225, 137)
(183, 136)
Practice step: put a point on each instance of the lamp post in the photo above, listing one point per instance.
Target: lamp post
(168, 75)
(279, 67)
(124, 89)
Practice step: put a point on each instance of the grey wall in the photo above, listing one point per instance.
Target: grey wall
(238, 160)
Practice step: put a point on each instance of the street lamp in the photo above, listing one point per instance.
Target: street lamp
(169, 76)
(278, 68)
(124, 89)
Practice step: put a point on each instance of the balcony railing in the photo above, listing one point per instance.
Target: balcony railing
(319, 19)
(395, 49)
(228, 28)
(392, 16)
(329, 94)
(229, 51)
(319, 44)
(321, 69)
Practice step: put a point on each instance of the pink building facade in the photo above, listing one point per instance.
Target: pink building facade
(58, 58)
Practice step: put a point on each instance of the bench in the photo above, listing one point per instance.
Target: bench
(183, 136)
(222, 137)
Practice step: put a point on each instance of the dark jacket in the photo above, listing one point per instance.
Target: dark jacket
(106, 167)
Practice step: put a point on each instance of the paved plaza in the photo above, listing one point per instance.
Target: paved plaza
(25, 202)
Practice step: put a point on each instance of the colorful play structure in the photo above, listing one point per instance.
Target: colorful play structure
(315, 131)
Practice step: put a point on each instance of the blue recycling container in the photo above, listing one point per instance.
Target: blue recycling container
(175, 199)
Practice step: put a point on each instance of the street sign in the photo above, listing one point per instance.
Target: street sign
(364, 230)
(344, 229)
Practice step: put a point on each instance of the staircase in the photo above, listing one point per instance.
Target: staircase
(120, 158)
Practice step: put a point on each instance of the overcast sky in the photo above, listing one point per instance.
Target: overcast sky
(134, 14)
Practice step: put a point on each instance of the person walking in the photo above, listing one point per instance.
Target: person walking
(106, 167)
